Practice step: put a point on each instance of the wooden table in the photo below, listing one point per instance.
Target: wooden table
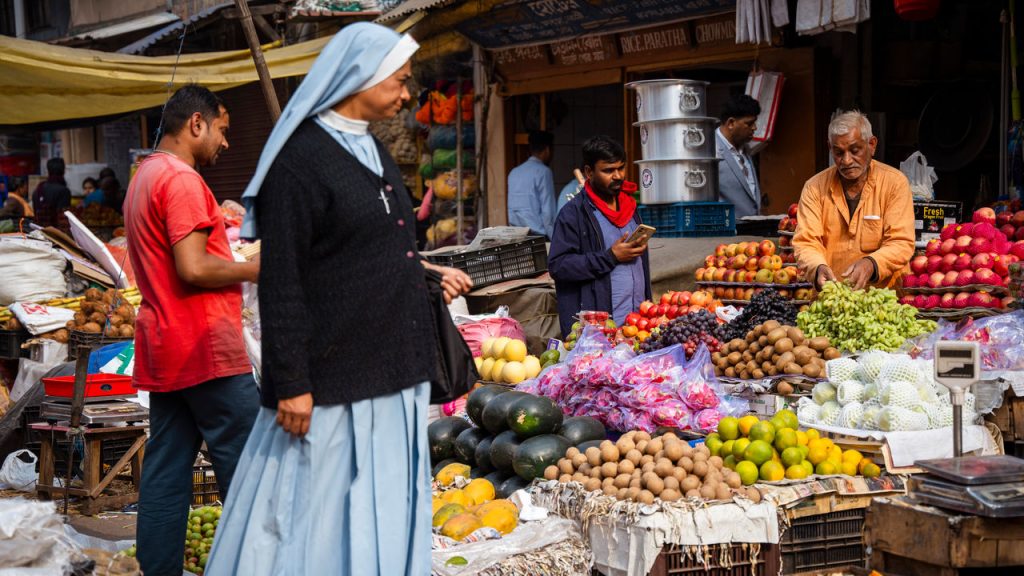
(94, 481)
(915, 540)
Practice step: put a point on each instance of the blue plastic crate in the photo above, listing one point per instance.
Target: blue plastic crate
(690, 219)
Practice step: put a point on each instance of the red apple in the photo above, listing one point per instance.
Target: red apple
(1019, 234)
(962, 244)
(645, 307)
(934, 264)
(735, 262)
(948, 261)
(1017, 249)
(784, 224)
(981, 261)
(932, 248)
(710, 261)
(985, 230)
(751, 264)
(720, 274)
(922, 280)
(684, 298)
(783, 240)
(665, 298)
(919, 264)
(948, 246)
(1000, 266)
(948, 231)
(981, 300)
(792, 210)
(1000, 245)
(962, 230)
(963, 262)
(766, 248)
(978, 245)
(721, 261)
(908, 300)
(751, 249)
(673, 311)
(919, 300)
(643, 324)
(781, 277)
(947, 300)
(662, 309)
(720, 250)
(950, 279)
(1008, 230)
(1017, 219)
(932, 301)
(936, 279)
(764, 262)
(791, 225)
(910, 281)
(962, 300)
(632, 318)
(1003, 218)
(984, 215)
(965, 278)
(986, 276)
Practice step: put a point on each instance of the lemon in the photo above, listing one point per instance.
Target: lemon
(792, 456)
(802, 438)
(789, 418)
(758, 452)
(513, 372)
(817, 455)
(796, 472)
(726, 448)
(772, 471)
(498, 348)
(848, 468)
(514, 351)
(532, 366)
(835, 454)
(746, 423)
(496, 371)
(748, 472)
(871, 470)
(785, 438)
(826, 467)
(763, 431)
(729, 462)
(808, 466)
(739, 447)
(728, 428)
(714, 445)
(813, 434)
(485, 348)
(852, 456)
(486, 367)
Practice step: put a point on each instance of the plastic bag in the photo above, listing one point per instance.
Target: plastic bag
(922, 176)
(19, 471)
(32, 271)
(998, 336)
(701, 389)
(40, 319)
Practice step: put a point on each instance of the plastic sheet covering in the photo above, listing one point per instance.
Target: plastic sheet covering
(32, 540)
(481, 555)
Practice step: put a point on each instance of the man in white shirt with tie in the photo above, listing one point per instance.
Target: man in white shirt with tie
(737, 178)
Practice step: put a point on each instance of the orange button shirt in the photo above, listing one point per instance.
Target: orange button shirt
(882, 227)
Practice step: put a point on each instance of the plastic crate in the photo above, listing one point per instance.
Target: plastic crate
(486, 266)
(744, 560)
(112, 451)
(690, 219)
(204, 485)
(824, 541)
(93, 340)
(10, 343)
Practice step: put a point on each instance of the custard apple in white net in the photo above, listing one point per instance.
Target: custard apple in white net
(902, 394)
(823, 392)
(870, 391)
(899, 367)
(851, 415)
(869, 417)
(841, 369)
(870, 364)
(926, 393)
(808, 412)
(829, 413)
(896, 418)
(849, 391)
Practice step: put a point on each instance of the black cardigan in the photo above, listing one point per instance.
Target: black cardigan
(343, 303)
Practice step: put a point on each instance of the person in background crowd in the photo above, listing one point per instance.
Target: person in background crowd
(593, 265)
(16, 207)
(737, 177)
(52, 197)
(531, 188)
(335, 478)
(568, 192)
(91, 191)
(112, 197)
(189, 351)
(856, 217)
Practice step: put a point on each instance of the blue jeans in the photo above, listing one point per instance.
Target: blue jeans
(221, 412)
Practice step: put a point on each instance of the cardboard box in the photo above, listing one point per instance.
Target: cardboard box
(766, 405)
(931, 217)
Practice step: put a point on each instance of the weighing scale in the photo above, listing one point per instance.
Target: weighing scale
(991, 486)
(105, 410)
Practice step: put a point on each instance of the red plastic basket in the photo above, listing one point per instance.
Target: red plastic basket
(96, 385)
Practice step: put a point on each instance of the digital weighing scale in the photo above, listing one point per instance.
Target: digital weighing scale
(991, 486)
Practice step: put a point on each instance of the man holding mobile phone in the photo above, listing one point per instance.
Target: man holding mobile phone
(595, 262)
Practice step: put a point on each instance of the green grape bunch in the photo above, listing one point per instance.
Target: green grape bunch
(858, 320)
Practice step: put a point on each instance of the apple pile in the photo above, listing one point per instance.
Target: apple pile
(971, 260)
(787, 226)
(670, 306)
(746, 262)
(1010, 223)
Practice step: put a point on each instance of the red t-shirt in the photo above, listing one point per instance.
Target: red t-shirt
(184, 335)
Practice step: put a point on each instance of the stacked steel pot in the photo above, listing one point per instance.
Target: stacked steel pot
(677, 140)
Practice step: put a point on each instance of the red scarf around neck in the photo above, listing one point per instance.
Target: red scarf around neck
(620, 217)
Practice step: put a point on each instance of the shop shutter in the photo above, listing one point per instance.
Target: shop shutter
(250, 127)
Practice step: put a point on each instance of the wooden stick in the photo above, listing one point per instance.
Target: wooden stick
(266, 82)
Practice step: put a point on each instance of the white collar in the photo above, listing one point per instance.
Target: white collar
(343, 124)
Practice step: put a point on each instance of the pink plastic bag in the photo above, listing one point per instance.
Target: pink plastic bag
(474, 333)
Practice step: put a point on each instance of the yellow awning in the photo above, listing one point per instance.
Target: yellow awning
(42, 83)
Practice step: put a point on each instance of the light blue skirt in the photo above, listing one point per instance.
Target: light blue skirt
(351, 498)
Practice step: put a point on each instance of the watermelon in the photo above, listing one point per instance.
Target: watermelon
(482, 457)
(582, 446)
(531, 416)
(579, 429)
(465, 444)
(441, 435)
(479, 398)
(503, 449)
(440, 465)
(495, 414)
(497, 477)
(475, 473)
(508, 487)
(537, 453)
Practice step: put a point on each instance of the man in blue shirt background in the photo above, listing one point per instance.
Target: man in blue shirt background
(531, 188)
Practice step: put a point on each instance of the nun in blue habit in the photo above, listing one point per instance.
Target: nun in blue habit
(335, 476)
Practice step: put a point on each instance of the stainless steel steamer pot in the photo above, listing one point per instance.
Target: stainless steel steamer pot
(685, 139)
(669, 181)
(669, 99)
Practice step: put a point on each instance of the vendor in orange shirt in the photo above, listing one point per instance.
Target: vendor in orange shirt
(856, 217)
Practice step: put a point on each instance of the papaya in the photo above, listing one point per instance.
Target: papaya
(446, 477)
(445, 512)
(461, 525)
(456, 496)
(500, 518)
(479, 491)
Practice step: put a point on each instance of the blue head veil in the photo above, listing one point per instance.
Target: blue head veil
(351, 59)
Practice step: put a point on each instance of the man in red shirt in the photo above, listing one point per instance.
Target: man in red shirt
(189, 352)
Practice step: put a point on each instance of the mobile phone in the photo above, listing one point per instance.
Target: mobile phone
(642, 234)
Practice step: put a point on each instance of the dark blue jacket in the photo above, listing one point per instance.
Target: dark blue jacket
(581, 264)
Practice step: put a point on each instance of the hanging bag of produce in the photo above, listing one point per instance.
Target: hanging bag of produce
(456, 371)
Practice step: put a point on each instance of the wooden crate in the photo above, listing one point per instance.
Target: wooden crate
(1009, 417)
(919, 540)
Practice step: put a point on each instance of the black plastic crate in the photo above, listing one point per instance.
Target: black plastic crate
(690, 219)
(486, 266)
(744, 560)
(112, 451)
(824, 541)
(204, 485)
(10, 343)
(94, 340)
